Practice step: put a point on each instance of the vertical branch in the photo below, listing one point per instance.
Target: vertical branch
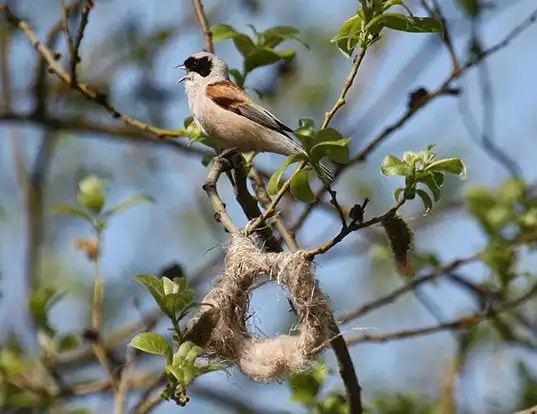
(74, 58)
(204, 25)
(96, 314)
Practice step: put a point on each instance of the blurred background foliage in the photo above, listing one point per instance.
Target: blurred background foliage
(52, 138)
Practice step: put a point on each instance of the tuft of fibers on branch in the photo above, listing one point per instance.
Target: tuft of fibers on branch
(220, 326)
(401, 240)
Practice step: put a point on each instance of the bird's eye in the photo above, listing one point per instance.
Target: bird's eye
(195, 63)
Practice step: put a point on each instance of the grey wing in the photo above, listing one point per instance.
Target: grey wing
(263, 117)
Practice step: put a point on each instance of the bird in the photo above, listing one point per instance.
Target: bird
(227, 114)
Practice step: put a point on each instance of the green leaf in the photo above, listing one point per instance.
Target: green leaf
(397, 193)
(287, 54)
(222, 32)
(244, 44)
(275, 35)
(206, 160)
(330, 143)
(180, 356)
(129, 202)
(152, 343)
(67, 342)
(177, 372)
(471, 7)
(427, 202)
(274, 182)
(337, 151)
(155, 288)
(348, 35)
(169, 287)
(391, 165)
(430, 182)
(73, 210)
(449, 165)
(261, 57)
(300, 186)
(398, 21)
(237, 76)
(39, 303)
(305, 133)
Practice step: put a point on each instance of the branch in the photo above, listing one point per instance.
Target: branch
(464, 322)
(204, 25)
(345, 231)
(346, 87)
(84, 89)
(444, 89)
(74, 58)
(81, 125)
(219, 166)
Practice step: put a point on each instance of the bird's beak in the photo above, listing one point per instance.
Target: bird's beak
(184, 77)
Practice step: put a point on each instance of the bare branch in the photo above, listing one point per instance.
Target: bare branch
(74, 58)
(204, 25)
(84, 89)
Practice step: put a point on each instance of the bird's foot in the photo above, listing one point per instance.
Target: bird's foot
(230, 158)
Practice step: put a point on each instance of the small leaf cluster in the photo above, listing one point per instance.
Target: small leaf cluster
(307, 386)
(364, 28)
(503, 215)
(422, 168)
(318, 144)
(257, 50)
(91, 201)
(175, 299)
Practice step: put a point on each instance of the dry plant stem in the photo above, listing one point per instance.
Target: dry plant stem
(204, 25)
(74, 55)
(123, 388)
(96, 316)
(85, 90)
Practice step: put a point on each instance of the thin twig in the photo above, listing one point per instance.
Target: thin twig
(345, 231)
(265, 200)
(96, 316)
(346, 87)
(123, 388)
(84, 89)
(463, 322)
(271, 210)
(437, 12)
(202, 20)
(74, 57)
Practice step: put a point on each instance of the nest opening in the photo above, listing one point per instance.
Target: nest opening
(220, 326)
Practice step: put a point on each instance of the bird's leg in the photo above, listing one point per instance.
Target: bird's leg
(230, 159)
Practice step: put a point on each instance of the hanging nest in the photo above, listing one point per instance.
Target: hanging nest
(220, 326)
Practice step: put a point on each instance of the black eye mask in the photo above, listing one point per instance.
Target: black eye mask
(200, 65)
